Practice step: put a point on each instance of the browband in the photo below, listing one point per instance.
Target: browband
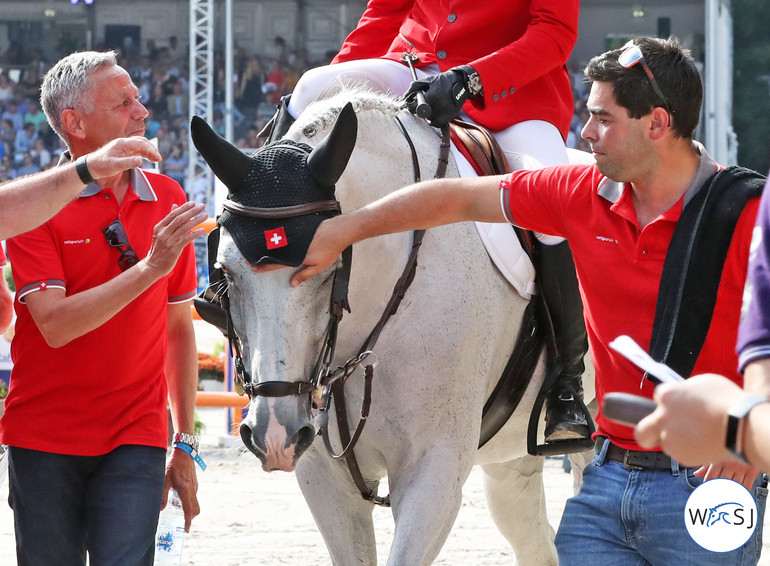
(281, 211)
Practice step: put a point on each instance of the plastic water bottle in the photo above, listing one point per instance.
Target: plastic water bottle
(169, 540)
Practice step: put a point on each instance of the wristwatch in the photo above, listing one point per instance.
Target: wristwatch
(474, 83)
(189, 439)
(735, 417)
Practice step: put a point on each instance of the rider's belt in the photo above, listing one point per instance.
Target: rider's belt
(635, 459)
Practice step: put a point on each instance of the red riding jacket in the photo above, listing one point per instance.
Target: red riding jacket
(518, 47)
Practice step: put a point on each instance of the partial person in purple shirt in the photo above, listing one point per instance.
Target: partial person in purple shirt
(708, 418)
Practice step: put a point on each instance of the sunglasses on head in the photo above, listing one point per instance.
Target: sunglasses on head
(116, 237)
(630, 56)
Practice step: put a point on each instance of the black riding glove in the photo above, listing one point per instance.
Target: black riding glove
(445, 93)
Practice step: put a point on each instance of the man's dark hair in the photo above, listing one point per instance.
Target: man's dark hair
(675, 71)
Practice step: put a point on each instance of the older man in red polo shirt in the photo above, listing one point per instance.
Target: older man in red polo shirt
(103, 340)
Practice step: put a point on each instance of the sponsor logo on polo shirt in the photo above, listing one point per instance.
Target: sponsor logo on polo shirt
(607, 239)
(81, 241)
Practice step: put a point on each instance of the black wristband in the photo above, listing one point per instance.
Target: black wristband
(735, 417)
(82, 169)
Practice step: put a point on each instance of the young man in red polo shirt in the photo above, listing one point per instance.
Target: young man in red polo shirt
(103, 339)
(619, 217)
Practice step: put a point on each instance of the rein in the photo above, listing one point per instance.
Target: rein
(331, 383)
(337, 386)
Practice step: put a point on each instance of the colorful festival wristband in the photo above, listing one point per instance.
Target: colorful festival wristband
(193, 454)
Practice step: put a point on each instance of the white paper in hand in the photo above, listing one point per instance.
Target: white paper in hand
(631, 350)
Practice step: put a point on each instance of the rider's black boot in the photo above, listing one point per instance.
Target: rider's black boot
(279, 124)
(565, 418)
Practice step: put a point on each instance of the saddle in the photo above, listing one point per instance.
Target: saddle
(512, 256)
(479, 147)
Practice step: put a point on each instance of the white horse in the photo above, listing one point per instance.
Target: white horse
(438, 359)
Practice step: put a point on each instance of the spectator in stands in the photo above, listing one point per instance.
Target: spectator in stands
(40, 154)
(175, 165)
(34, 114)
(28, 166)
(273, 83)
(279, 50)
(157, 101)
(13, 114)
(162, 135)
(175, 53)
(6, 88)
(49, 137)
(24, 140)
(218, 122)
(8, 134)
(151, 124)
(6, 165)
(249, 88)
(177, 103)
(144, 88)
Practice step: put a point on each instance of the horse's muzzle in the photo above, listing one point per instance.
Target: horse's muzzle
(277, 450)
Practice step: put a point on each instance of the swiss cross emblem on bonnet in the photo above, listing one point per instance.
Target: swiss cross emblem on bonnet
(278, 196)
(275, 238)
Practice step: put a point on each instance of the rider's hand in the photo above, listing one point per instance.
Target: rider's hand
(445, 93)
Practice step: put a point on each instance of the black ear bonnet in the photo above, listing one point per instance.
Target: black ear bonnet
(281, 174)
(278, 177)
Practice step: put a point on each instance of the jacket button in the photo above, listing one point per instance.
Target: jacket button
(504, 93)
(451, 18)
(441, 54)
(512, 90)
(496, 98)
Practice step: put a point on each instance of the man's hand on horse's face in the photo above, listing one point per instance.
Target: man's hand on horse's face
(303, 272)
(267, 267)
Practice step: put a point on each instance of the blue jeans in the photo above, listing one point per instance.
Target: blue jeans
(64, 506)
(626, 517)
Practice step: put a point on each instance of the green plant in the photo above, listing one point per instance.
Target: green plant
(9, 278)
(3, 389)
(198, 425)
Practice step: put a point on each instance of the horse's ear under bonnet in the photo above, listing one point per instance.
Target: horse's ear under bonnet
(281, 174)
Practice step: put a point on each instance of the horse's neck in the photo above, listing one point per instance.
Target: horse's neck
(384, 160)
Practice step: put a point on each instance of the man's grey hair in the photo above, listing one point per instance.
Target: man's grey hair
(67, 85)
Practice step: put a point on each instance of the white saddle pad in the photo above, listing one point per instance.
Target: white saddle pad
(502, 244)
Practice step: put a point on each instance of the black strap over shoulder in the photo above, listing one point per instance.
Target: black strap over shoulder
(693, 266)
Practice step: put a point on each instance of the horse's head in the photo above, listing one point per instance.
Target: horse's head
(277, 198)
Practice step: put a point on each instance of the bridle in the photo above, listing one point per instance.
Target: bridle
(328, 382)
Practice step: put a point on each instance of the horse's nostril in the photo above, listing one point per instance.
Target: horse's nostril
(303, 439)
(247, 437)
(245, 432)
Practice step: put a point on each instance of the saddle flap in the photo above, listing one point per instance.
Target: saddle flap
(479, 147)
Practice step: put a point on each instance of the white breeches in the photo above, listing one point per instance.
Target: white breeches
(535, 139)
